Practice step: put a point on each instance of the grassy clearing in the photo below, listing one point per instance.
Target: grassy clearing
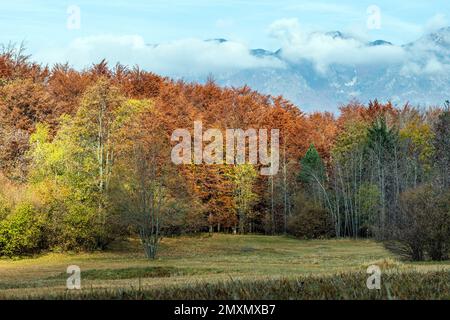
(225, 264)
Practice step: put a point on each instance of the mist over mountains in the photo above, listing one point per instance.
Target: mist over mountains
(315, 70)
(322, 71)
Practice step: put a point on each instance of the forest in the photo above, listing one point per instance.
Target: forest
(85, 160)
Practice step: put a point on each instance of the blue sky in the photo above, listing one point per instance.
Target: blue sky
(42, 24)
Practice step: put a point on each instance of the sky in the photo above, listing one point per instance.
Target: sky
(81, 31)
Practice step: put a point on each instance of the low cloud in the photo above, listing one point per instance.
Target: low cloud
(194, 57)
(186, 57)
(436, 22)
(430, 67)
(324, 49)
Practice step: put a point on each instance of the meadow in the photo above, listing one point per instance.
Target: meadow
(223, 266)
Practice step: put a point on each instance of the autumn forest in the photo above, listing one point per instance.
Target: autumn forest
(85, 160)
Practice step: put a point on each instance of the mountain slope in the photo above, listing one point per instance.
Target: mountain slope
(420, 76)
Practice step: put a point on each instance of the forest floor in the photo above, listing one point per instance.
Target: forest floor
(190, 263)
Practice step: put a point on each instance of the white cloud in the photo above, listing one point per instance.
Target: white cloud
(436, 22)
(434, 66)
(186, 57)
(324, 50)
(430, 67)
(410, 69)
(287, 31)
(195, 57)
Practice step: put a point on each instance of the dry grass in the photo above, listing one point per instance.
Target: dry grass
(187, 262)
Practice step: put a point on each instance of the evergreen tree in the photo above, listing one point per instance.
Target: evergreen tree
(312, 167)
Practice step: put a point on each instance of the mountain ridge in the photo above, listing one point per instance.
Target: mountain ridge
(419, 76)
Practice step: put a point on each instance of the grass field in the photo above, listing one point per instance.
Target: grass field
(228, 266)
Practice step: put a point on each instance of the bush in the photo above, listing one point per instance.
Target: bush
(309, 221)
(73, 220)
(437, 242)
(422, 228)
(21, 232)
(82, 228)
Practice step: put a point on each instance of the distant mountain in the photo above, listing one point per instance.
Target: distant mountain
(262, 53)
(337, 35)
(218, 40)
(380, 43)
(440, 38)
(421, 77)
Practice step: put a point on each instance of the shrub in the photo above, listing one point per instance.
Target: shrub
(310, 220)
(422, 228)
(82, 228)
(21, 232)
(437, 242)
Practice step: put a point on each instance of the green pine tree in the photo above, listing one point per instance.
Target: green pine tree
(312, 167)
